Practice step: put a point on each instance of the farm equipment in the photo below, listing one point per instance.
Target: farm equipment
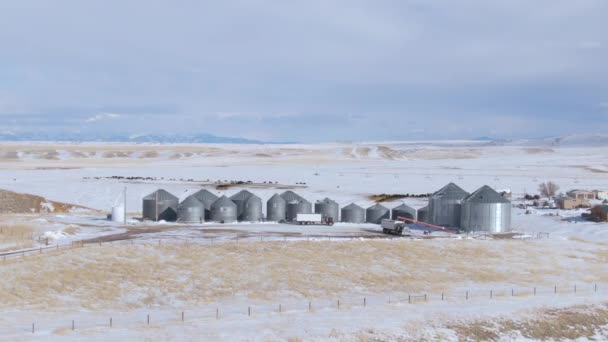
(394, 227)
(316, 219)
(428, 225)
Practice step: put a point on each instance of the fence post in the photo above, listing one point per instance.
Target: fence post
(441, 295)
(309, 306)
(535, 291)
(595, 290)
(280, 308)
(490, 294)
(73, 325)
(512, 292)
(338, 304)
(364, 302)
(409, 299)
(110, 322)
(182, 316)
(574, 288)
(555, 289)
(217, 313)
(148, 319)
(33, 328)
(425, 298)
(467, 295)
(249, 311)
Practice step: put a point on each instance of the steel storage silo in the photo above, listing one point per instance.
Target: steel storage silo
(240, 198)
(223, 210)
(160, 205)
(444, 206)
(191, 210)
(353, 213)
(486, 210)
(297, 207)
(376, 213)
(207, 198)
(423, 214)
(252, 211)
(290, 196)
(276, 208)
(328, 209)
(404, 210)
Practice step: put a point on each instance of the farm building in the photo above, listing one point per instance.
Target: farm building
(581, 194)
(160, 205)
(486, 210)
(599, 213)
(445, 206)
(567, 203)
(600, 194)
(328, 209)
(353, 213)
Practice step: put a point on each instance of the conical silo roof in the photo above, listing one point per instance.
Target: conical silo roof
(290, 196)
(223, 202)
(276, 198)
(326, 201)
(377, 207)
(206, 197)
(450, 192)
(485, 194)
(353, 206)
(191, 201)
(242, 195)
(161, 195)
(404, 207)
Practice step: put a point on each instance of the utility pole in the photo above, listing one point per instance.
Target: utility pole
(156, 206)
(125, 205)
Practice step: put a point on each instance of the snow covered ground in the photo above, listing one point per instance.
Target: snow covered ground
(569, 252)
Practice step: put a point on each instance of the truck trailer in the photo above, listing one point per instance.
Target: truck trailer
(393, 227)
(314, 219)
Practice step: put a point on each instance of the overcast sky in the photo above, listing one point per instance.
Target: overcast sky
(311, 70)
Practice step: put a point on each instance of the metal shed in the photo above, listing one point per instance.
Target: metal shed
(297, 207)
(207, 198)
(191, 210)
(423, 214)
(252, 211)
(160, 205)
(404, 210)
(276, 208)
(444, 206)
(223, 210)
(486, 210)
(376, 213)
(353, 213)
(328, 208)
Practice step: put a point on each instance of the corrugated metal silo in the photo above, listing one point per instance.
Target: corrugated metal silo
(207, 198)
(160, 205)
(423, 214)
(444, 206)
(223, 210)
(191, 210)
(252, 212)
(486, 210)
(297, 207)
(240, 198)
(404, 210)
(353, 213)
(376, 213)
(290, 196)
(328, 208)
(276, 208)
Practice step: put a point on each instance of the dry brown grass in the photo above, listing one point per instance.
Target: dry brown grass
(140, 275)
(15, 236)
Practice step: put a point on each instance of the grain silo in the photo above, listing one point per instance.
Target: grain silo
(376, 213)
(207, 198)
(404, 210)
(276, 208)
(444, 206)
(423, 214)
(328, 209)
(223, 210)
(160, 205)
(486, 210)
(240, 198)
(290, 196)
(252, 211)
(297, 207)
(191, 210)
(353, 213)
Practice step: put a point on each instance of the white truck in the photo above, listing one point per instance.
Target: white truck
(393, 227)
(314, 219)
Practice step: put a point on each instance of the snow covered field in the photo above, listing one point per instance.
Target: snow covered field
(199, 268)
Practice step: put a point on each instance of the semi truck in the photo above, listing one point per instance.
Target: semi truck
(317, 219)
(393, 227)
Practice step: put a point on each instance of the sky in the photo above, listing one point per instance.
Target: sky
(308, 71)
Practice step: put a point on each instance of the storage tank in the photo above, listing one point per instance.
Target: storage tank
(252, 211)
(118, 214)
(444, 206)
(290, 196)
(423, 214)
(376, 213)
(353, 213)
(276, 208)
(240, 198)
(223, 210)
(486, 210)
(328, 208)
(297, 207)
(191, 210)
(207, 198)
(160, 205)
(404, 210)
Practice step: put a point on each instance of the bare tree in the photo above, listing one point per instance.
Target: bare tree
(548, 189)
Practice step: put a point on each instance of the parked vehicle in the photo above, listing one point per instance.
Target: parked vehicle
(314, 219)
(393, 227)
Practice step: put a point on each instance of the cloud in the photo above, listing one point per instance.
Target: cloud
(103, 117)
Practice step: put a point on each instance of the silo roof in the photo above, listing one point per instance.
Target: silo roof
(450, 191)
(378, 207)
(289, 196)
(275, 198)
(485, 194)
(191, 201)
(353, 206)
(205, 196)
(242, 195)
(222, 202)
(162, 195)
(404, 207)
(253, 198)
(327, 200)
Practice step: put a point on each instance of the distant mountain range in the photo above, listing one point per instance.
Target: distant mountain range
(139, 138)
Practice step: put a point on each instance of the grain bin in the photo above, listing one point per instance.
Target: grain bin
(160, 205)
(444, 206)
(297, 207)
(276, 208)
(191, 210)
(223, 210)
(290, 196)
(353, 213)
(376, 213)
(486, 210)
(404, 210)
(328, 209)
(207, 198)
(252, 211)
(423, 214)
(240, 199)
